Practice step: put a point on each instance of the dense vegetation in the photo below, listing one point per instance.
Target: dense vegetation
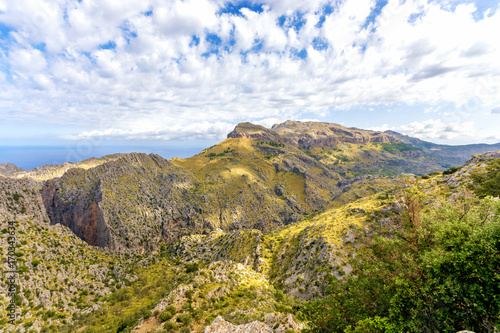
(487, 182)
(396, 147)
(434, 270)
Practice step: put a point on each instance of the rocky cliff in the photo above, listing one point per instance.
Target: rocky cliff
(128, 203)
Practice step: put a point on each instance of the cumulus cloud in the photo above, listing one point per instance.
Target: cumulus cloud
(163, 70)
(437, 129)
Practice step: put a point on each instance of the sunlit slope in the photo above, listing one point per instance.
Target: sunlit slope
(258, 184)
(303, 255)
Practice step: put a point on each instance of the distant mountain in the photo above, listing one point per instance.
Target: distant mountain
(447, 155)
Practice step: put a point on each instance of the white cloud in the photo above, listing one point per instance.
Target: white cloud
(26, 61)
(157, 78)
(433, 129)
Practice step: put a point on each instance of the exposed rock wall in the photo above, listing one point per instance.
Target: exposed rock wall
(83, 215)
(127, 204)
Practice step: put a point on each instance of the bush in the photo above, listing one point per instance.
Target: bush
(185, 318)
(191, 268)
(185, 330)
(487, 182)
(165, 315)
(171, 309)
(170, 326)
(451, 170)
(198, 314)
(372, 325)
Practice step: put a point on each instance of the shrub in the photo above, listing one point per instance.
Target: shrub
(171, 309)
(185, 330)
(487, 182)
(185, 318)
(191, 268)
(451, 170)
(165, 315)
(437, 274)
(170, 326)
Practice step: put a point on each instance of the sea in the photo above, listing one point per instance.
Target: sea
(30, 157)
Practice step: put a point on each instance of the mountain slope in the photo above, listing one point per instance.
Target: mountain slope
(258, 178)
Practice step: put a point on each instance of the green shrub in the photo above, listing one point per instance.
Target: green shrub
(451, 170)
(170, 326)
(372, 325)
(487, 182)
(185, 318)
(185, 330)
(198, 314)
(165, 315)
(191, 268)
(171, 309)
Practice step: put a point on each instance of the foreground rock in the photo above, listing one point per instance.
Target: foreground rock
(219, 325)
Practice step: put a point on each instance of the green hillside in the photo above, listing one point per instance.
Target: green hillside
(299, 228)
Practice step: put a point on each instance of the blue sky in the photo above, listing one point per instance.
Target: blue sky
(165, 74)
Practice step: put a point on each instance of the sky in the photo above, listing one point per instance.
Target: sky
(178, 75)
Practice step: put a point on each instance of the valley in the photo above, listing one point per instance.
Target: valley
(248, 234)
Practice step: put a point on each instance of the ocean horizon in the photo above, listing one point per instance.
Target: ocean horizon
(30, 157)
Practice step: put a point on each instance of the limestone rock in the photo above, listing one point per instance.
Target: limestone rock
(219, 325)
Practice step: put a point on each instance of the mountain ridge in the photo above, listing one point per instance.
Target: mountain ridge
(258, 178)
(246, 230)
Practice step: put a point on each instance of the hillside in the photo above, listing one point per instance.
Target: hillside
(246, 235)
(244, 276)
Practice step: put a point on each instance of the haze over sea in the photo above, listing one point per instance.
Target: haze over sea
(30, 157)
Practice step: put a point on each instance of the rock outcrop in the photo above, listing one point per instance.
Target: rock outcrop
(219, 325)
(307, 135)
(9, 169)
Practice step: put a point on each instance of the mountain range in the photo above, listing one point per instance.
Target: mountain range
(239, 234)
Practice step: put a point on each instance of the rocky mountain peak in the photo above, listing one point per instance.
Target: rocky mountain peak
(310, 134)
(9, 169)
(255, 132)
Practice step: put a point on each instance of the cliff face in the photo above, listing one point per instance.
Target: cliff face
(307, 135)
(83, 216)
(128, 203)
(256, 132)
